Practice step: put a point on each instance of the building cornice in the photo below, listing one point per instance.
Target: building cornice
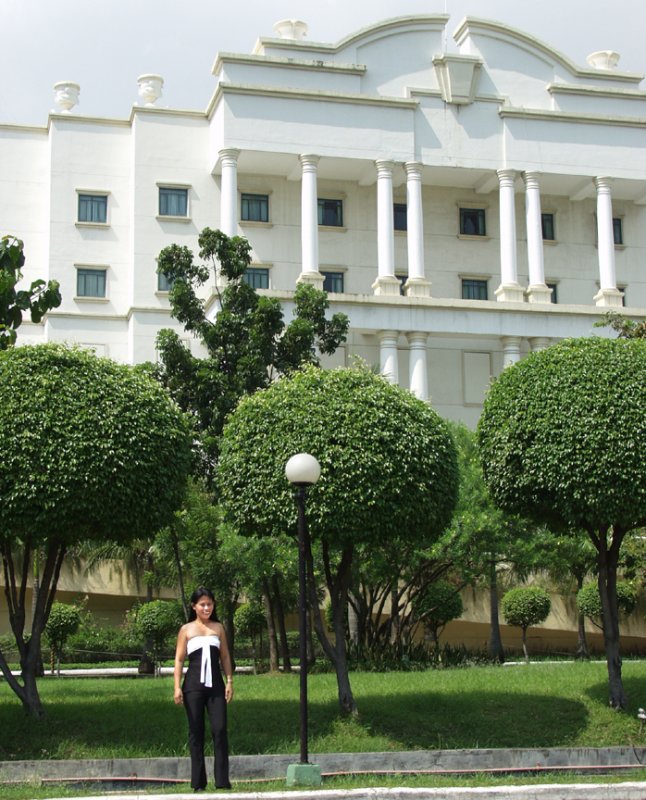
(470, 25)
(318, 96)
(283, 62)
(572, 116)
(596, 91)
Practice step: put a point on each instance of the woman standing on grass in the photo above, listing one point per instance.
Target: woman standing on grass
(204, 642)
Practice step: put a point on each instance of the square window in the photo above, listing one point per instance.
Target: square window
(400, 217)
(173, 202)
(330, 213)
(472, 222)
(618, 230)
(254, 208)
(332, 282)
(554, 295)
(93, 208)
(547, 226)
(474, 289)
(257, 277)
(90, 282)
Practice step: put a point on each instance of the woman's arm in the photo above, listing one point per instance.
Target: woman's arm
(225, 660)
(180, 657)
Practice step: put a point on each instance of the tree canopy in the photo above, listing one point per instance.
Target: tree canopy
(91, 450)
(246, 339)
(562, 440)
(388, 472)
(39, 298)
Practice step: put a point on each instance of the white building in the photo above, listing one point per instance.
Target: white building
(463, 205)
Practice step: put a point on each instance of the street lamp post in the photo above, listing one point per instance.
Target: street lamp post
(302, 471)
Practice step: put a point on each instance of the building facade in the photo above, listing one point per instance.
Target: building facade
(462, 207)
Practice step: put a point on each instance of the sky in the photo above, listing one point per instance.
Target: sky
(105, 46)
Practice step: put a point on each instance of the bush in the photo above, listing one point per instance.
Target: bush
(589, 601)
(526, 606)
(64, 620)
(92, 643)
(156, 622)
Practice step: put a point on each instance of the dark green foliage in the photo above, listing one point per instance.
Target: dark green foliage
(589, 602)
(249, 619)
(37, 300)
(436, 604)
(156, 622)
(388, 464)
(64, 620)
(562, 435)
(92, 449)
(525, 606)
(247, 341)
(93, 644)
(626, 328)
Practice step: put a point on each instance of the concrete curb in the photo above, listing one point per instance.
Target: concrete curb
(254, 767)
(580, 791)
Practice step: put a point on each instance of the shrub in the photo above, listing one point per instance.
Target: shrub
(526, 606)
(589, 601)
(64, 620)
(156, 622)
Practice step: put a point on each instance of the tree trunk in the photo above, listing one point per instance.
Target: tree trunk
(338, 590)
(180, 571)
(496, 650)
(582, 651)
(608, 558)
(525, 653)
(271, 628)
(282, 628)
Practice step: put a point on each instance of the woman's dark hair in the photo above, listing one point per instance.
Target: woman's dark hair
(201, 591)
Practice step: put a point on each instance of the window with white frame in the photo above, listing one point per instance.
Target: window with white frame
(548, 227)
(472, 222)
(91, 282)
(333, 282)
(92, 208)
(330, 212)
(475, 289)
(254, 207)
(257, 277)
(618, 230)
(173, 201)
(400, 217)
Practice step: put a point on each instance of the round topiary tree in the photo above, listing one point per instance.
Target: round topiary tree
(388, 472)
(562, 441)
(249, 620)
(525, 606)
(92, 450)
(589, 602)
(436, 604)
(64, 620)
(156, 621)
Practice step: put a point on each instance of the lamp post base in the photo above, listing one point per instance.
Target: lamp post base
(303, 775)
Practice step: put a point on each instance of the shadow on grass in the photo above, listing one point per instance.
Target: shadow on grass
(98, 724)
(634, 689)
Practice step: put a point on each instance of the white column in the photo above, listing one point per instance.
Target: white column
(608, 294)
(388, 355)
(538, 291)
(510, 350)
(386, 282)
(509, 289)
(417, 371)
(416, 285)
(537, 343)
(309, 223)
(229, 191)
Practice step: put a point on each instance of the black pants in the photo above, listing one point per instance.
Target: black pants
(196, 703)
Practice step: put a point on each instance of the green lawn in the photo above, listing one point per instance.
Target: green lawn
(539, 705)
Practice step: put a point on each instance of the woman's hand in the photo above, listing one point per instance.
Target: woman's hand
(228, 691)
(178, 697)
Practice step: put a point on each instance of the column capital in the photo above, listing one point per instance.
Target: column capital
(511, 349)
(413, 169)
(388, 337)
(229, 156)
(309, 161)
(603, 184)
(506, 176)
(539, 343)
(532, 179)
(417, 340)
(384, 167)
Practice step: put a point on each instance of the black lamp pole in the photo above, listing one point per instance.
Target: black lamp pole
(301, 493)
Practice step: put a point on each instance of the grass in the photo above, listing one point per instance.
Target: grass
(536, 705)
